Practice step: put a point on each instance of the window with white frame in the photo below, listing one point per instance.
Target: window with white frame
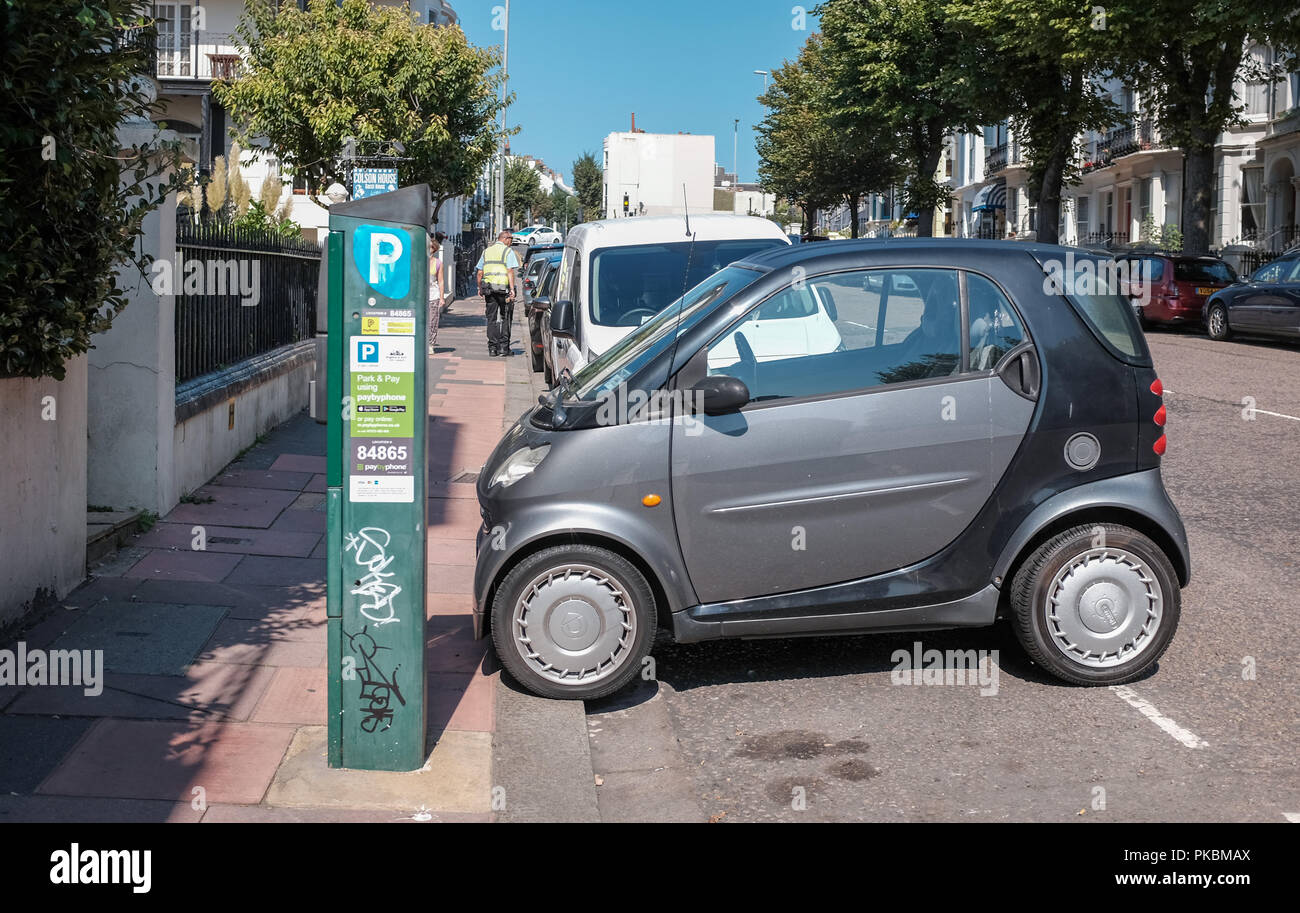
(1081, 214)
(175, 39)
(1252, 200)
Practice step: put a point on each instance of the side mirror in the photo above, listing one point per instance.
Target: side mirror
(562, 318)
(721, 393)
(540, 304)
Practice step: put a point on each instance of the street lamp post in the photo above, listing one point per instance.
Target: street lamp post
(499, 207)
(764, 74)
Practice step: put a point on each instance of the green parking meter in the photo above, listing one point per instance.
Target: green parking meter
(377, 259)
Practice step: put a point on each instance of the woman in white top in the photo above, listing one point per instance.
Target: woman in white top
(437, 291)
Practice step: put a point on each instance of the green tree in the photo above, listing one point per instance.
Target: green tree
(812, 151)
(1184, 57)
(562, 208)
(912, 68)
(72, 200)
(1048, 58)
(589, 187)
(355, 69)
(523, 191)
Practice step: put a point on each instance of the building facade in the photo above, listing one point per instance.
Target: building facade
(656, 174)
(1131, 184)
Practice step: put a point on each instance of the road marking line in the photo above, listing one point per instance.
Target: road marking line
(1293, 817)
(1294, 418)
(1148, 710)
(1278, 414)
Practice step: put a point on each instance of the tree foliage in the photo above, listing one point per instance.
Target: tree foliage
(523, 191)
(355, 69)
(1048, 58)
(1184, 57)
(72, 201)
(813, 152)
(589, 187)
(914, 69)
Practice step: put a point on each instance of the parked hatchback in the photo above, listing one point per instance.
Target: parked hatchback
(1169, 290)
(979, 443)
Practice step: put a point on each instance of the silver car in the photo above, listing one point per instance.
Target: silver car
(974, 443)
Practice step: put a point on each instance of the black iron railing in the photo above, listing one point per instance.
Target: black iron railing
(999, 158)
(990, 232)
(470, 247)
(239, 293)
(1136, 135)
(1104, 239)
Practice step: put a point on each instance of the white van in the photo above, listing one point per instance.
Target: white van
(619, 273)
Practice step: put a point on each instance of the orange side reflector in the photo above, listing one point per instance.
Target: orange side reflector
(651, 500)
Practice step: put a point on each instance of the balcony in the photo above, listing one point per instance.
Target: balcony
(205, 56)
(1139, 134)
(999, 158)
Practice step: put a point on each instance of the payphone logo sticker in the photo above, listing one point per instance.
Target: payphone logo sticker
(382, 255)
(394, 354)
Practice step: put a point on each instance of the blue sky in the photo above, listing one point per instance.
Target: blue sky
(579, 68)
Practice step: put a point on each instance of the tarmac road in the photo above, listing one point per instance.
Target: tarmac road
(813, 729)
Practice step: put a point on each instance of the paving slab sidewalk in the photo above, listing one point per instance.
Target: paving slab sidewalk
(213, 705)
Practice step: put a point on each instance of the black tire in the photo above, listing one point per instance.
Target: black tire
(1220, 332)
(640, 602)
(1029, 602)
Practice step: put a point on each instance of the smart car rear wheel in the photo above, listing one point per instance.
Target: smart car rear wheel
(1096, 605)
(573, 622)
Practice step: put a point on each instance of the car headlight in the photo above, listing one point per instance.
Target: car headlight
(518, 465)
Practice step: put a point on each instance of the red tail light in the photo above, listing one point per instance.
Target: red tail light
(1157, 388)
(1160, 417)
(1160, 445)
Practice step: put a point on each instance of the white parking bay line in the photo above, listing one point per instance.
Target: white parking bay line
(1293, 418)
(1293, 817)
(1148, 710)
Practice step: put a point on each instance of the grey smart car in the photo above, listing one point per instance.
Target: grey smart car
(837, 439)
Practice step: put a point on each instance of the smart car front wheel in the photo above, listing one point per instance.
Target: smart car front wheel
(1096, 605)
(573, 622)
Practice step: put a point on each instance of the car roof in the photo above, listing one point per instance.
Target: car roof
(805, 254)
(652, 229)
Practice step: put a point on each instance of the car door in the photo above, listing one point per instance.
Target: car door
(566, 352)
(1283, 318)
(1252, 308)
(852, 462)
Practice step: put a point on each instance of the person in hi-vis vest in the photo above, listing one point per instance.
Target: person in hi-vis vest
(496, 280)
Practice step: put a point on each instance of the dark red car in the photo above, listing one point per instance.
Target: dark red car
(1179, 286)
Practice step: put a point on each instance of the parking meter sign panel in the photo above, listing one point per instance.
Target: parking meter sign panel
(377, 534)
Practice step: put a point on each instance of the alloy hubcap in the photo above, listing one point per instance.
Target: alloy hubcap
(1104, 608)
(1216, 321)
(574, 624)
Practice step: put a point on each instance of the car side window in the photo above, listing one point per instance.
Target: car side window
(1269, 272)
(1294, 274)
(844, 332)
(994, 328)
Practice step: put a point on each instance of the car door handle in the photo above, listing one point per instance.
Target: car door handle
(1020, 372)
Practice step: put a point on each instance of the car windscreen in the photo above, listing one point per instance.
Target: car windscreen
(640, 347)
(629, 285)
(1212, 271)
(1092, 285)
